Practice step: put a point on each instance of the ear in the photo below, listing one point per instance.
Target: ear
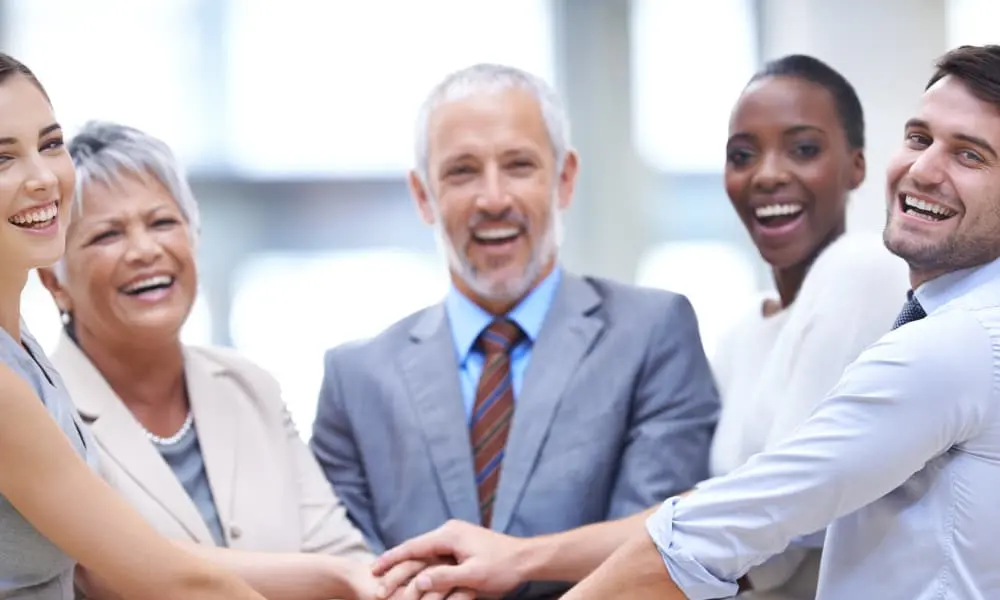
(567, 179)
(55, 287)
(422, 197)
(858, 170)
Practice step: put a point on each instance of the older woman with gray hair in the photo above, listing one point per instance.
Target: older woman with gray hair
(198, 439)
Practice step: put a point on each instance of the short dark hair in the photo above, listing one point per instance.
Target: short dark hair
(10, 66)
(978, 67)
(813, 70)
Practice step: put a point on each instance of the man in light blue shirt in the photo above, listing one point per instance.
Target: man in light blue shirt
(901, 462)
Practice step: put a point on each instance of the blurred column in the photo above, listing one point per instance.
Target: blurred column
(886, 48)
(605, 229)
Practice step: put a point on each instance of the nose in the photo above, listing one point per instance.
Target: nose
(493, 198)
(928, 169)
(142, 248)
(770, 174)
(41, 179)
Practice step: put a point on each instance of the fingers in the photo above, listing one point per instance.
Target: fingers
(445, 578)
(430, 545)
(398, 576)
(461, 595)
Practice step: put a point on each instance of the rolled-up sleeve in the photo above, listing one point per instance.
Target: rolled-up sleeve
(910, 397)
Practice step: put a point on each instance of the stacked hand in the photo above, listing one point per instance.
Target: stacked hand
(458, 561)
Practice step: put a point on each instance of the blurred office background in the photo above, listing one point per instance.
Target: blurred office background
(295, 120)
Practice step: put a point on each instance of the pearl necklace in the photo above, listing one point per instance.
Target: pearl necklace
(170, 441)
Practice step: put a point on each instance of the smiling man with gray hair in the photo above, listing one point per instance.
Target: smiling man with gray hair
(531, 400)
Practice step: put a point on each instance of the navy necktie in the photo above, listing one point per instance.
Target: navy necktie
(912, 311)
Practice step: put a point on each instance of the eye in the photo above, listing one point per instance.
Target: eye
(459, 170)
(972, 156)
(53, 144)
(521, 165)
(738, 157)
(165, 222)
(917, 140)
(806, 150)
(103, 236)
(5, 158)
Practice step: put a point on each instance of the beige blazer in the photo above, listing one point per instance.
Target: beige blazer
(269, 491)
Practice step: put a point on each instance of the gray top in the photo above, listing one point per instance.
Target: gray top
(184, 458)
(31, 567)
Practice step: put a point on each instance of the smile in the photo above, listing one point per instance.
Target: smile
(38, 217)
(777, 215)
(496, 235)
(148, 285)
(925, 209)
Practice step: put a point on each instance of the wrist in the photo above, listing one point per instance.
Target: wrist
(343, 577)
(533, 557)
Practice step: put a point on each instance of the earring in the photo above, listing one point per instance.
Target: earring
(66, 316)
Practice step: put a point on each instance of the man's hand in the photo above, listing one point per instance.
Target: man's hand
(485, 564)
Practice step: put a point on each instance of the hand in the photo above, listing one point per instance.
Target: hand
(361, 583)
(485, 562)
(396, 583)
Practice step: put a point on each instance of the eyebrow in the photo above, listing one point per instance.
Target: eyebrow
(794, 130)
(44, 131)
(964, 137)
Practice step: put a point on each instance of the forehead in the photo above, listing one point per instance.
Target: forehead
(784, 102)
(949, 106)
(487, 122)
(126, 194)
(23, 109)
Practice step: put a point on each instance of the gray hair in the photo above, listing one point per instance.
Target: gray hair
(485, 77)
(104, 152)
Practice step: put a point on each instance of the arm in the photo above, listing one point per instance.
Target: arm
(276, 576)
(98, 528)
(887, 405)
(493, 563)
(674, 412)
(326, 526)
(334, 447)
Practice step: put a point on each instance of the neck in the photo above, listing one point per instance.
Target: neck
(789, 280)
(11, 287)
(500, 307)
(146, 376)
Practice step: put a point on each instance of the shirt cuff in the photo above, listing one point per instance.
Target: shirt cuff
(691, 577)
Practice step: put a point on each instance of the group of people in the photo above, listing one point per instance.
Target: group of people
(538, 433)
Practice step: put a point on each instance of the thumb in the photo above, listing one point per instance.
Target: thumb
(444, 578)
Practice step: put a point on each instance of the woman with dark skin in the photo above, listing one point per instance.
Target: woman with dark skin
(794, 155)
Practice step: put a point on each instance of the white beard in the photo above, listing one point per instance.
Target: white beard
(512, 288)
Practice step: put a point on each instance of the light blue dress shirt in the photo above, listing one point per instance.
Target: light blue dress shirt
(902, 460)
(468, 320)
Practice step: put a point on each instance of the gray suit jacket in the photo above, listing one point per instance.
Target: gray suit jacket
(616, 413)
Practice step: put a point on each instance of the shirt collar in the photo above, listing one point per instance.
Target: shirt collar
(941, 290)
(468, 319)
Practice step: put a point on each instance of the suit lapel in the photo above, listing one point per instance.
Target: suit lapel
(122, 438)
(569, 331)
(217, 429)
(431, 372)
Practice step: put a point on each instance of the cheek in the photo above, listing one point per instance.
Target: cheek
(736, 188)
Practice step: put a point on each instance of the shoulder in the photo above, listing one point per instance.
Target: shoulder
(952, 347)
(855, 272)
(859, 256)
(372, 351)
(635, 301)
(255, 382)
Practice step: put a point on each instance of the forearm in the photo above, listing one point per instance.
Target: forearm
(634, 571)
(284, 576)
(573, 555)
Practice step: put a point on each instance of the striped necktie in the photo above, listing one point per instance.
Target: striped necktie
(912, 311)
(492, 412)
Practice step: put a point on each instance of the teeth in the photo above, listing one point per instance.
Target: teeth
(778, 210)
(149, 282)
(497, 234)
(38, 215)
(925, 206)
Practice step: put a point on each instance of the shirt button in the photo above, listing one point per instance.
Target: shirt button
(235, 532)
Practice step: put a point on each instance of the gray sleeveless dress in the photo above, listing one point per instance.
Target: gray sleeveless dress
(31, 567)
